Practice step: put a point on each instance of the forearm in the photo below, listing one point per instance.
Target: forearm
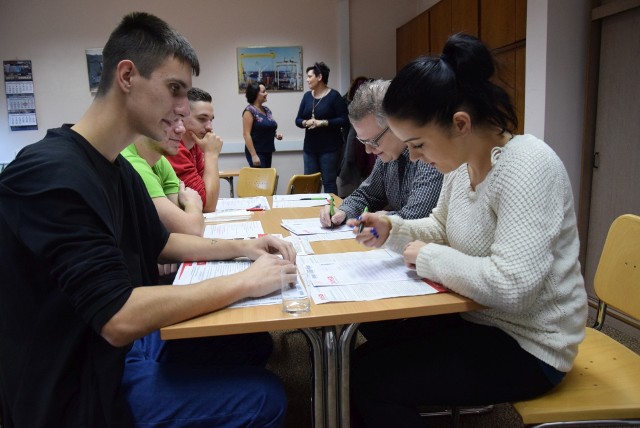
(194, 221)
(150, 308)
(248, 142)
(211, 178)
(181, 247)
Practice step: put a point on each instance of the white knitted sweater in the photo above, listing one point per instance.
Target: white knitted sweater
(511, 245)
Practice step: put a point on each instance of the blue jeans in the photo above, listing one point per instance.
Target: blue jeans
(216, 381)
(327, 165)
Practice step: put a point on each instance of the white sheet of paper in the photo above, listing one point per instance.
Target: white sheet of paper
(301, 200)
(191, 272)
(242, 230)
(220, 216)
(354, 268)
(310, 226)
(230, 204)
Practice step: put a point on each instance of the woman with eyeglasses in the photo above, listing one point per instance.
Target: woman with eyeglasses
(503, 233)
(323, 113)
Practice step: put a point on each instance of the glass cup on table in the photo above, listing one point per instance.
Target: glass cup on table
(295, 299)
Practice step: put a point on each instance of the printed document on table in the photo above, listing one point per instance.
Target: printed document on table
(242, 230)
(311, 226)
(301, 200)
(362, 267)
(373, 291)
(230, 204)
(219, 216)
(191, 272)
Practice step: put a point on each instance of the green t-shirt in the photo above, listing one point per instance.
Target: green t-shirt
(160, 179)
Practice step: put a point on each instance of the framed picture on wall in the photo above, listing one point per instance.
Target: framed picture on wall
(94, 68)
(277, 68)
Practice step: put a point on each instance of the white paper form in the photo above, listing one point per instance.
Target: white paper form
(364, 267)
(301, 200)
(255, 202)
(311, 226)
(196, 272)
(220, 216)
(373, 291)
(241, 230)
(191, 272)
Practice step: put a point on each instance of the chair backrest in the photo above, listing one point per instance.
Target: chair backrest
(617, 278)
(257, 182)
(300, 183)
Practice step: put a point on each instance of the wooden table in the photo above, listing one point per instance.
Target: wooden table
(228, 175)
(330, 346)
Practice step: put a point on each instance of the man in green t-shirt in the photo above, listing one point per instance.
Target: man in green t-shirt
(179, 207)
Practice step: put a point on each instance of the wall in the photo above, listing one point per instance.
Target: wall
(54, 36)
(557, 33)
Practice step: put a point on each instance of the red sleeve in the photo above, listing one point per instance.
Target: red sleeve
(189, 170)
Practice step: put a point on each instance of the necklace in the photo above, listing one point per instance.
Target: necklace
(315, 104)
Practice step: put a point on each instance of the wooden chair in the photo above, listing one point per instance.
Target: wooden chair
(257, 182)
(603, 388)
(300, 183)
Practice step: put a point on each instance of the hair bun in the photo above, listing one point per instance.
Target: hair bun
(468, 57)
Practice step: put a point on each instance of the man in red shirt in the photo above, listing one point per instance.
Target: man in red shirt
(196, 163)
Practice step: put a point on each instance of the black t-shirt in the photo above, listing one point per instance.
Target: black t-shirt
(77, 233)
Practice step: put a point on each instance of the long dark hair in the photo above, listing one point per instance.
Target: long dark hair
(432, 89)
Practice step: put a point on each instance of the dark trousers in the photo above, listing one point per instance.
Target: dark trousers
(439, 360)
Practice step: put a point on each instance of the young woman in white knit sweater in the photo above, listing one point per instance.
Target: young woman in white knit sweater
(503, 234)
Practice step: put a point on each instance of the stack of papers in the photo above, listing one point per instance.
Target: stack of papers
(243, 230)
(312, 226)
(233, 204)
(301, 200)
(361, 276)
(226, 216)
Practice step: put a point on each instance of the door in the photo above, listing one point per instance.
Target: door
(616, 174)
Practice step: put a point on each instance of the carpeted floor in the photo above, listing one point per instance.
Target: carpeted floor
(291, 362)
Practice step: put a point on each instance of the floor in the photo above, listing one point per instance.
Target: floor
(291, 362)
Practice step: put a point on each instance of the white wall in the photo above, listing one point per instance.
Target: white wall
(557, 34)
(54, 36)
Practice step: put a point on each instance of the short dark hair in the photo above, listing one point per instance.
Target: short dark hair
(432, 89)
(147, 41)
(253, 89)
(197, 94)
(320, 68)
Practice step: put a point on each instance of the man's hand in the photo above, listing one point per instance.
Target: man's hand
(210, 143)
(187, 197)
(376, 229)
(269, 244)
(337, 219)
(265, 274)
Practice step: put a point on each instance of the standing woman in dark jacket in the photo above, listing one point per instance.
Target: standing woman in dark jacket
(322, 112)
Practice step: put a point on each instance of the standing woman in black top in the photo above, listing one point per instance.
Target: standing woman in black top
(258, 128)
(322, 112)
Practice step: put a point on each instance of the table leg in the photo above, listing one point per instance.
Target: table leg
(345, 344)
(331, 378)
(318, 373)
(229, 180)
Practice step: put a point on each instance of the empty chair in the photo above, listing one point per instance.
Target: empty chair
(300, 183)
(603, 388)
(257, 182)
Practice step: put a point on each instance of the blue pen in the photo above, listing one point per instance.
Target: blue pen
(361, 227)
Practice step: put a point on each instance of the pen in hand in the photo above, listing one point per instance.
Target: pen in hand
(361, 226)
(332, 211)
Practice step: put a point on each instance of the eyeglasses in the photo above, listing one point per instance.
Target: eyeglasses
(374, 141)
